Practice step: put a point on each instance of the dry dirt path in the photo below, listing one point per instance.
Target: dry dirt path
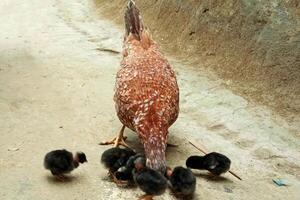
(58, 63)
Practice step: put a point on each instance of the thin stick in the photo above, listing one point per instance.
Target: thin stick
(206, 152)
(200, 149)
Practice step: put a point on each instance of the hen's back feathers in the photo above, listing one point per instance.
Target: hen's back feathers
(146, 92)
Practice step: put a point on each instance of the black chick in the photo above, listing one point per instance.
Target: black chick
(182, 182)
(61, 162)
(214, 162)
(125, 173)
(151, 182)
(115, 158)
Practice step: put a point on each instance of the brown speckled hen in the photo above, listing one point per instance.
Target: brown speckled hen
(146, 93)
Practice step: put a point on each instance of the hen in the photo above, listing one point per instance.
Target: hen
(146, 92)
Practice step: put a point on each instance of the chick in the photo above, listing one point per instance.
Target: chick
(115, 158)
(214, 162)
(182, 182)
(61, 162)
(151, 182)
(125, 173)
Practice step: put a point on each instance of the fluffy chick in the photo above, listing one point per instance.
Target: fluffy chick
(151, 182)
(61, 162)
(214, 162)
(182, 182)
(115, 157)
(125, 173)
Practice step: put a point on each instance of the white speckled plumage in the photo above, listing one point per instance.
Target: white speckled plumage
(146, 92)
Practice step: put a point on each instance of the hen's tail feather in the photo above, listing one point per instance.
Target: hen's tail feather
(133, 20)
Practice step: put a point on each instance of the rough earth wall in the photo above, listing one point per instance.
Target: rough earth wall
(253, 45)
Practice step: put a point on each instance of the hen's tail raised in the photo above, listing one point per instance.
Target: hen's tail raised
(133, 20)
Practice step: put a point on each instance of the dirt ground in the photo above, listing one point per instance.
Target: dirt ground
(58, 63)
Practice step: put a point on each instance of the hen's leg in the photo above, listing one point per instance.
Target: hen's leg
(117, 141)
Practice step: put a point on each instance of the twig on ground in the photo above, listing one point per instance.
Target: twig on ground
(203, 150)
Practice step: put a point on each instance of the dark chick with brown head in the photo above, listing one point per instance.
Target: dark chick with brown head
(151, 182)
(146, 94)
(61, 162)
(215, 163)
(115, 158)
(125, 173)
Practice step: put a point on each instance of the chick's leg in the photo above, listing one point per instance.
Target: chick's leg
(117, 141)
(116, 181)
(61, 178)
(146, 197)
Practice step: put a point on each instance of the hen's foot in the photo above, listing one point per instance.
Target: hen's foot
(117, 141)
